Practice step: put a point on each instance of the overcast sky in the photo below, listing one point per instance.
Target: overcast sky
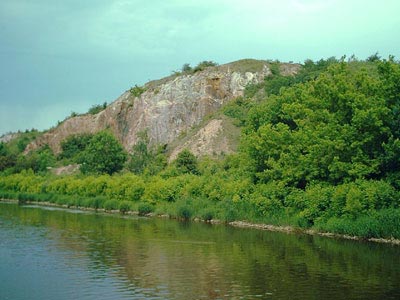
(62, 56)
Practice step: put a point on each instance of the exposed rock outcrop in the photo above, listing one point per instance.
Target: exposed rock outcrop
(8, 137)
(217, 137)
(167, 107)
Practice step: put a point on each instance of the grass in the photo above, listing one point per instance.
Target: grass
(383, 223)
(246, 65)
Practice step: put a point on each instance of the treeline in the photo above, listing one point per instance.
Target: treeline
(318, 150)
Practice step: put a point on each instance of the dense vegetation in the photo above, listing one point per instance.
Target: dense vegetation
(320, 150)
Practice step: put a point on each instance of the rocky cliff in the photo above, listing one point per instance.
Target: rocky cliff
(167, 107)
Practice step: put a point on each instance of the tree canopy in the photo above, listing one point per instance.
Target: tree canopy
(103, 154)
(336, 128)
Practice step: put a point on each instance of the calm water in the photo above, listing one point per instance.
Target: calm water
(65, 254)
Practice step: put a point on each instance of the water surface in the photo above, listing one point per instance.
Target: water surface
(48, 253)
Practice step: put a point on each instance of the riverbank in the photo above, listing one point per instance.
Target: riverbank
(290, 229)
(237, 224)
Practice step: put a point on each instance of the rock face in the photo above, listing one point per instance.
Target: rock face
(167, 108)
(8, 137)
(217, 137)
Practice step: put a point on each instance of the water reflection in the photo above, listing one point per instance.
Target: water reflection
(119, 257)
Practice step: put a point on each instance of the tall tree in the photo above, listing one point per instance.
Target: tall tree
(104, 154)
(186, 162)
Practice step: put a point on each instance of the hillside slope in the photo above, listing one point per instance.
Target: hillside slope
(168, 107)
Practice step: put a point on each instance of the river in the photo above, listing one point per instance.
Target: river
(52, 253)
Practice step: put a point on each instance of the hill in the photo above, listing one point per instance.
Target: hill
(168, 108)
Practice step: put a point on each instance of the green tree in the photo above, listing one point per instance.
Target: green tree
(147, 158)
(22, 143)
(38, 161)
(7, 159)
(140, 155)
(74, 145)
(104, 154)
(186, 68)
(186, 162)
(3, 149)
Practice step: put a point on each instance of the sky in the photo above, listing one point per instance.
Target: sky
(58, 57)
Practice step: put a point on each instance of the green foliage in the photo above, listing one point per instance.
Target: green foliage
(111, 205)
(374, 57)
(186, 68)
(137, 90)
(127, 187)
(38, 161)
(18, 144)
(164, 190)
(332, 129)
(310, 70)
(3, 149)
(186, 162)
(145, 209)
(207, 215)
(124, 206)
(13, 160)
(184, 211)
(380, 224)
(145, 158)
(74, 145)
(7, 159)
(273, 84)
(140, 156)
(95, 109)
(203, 65)
(103, 155)
(275, 68)
(252, 89)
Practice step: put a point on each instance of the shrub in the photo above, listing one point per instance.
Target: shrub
(111, 205)
(186, 68)
(137, 90)
(145, 208)
(73, 145)
(204, 64)
(184, 212)
(158, 189)
(389, 223)
(380, 224)
(186, 162)
(98, 202)
(47, 197)
(62, 199)
(95, 109)
(124, 206)
(7, 195)
(207, 215)
(23, 198)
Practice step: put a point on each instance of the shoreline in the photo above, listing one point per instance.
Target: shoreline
(293, 230)
(237, 224)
